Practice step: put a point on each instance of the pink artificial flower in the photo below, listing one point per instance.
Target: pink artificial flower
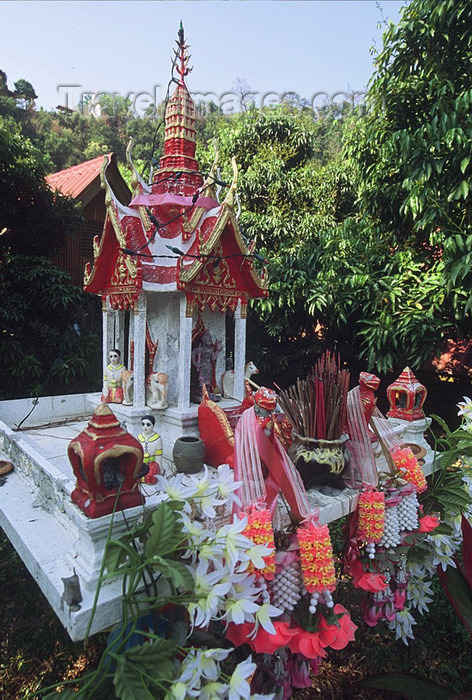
(399, 598)
(372, 614)
(299, 671)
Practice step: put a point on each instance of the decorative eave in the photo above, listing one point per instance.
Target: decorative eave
(114, 273)
(186, 274)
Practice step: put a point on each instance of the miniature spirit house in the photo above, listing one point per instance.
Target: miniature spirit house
(169, 268)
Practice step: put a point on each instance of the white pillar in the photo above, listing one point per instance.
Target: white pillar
(239, 350)
(130, 338)
(120, 340)
(108, 325)
(139, 375)
(185, 353)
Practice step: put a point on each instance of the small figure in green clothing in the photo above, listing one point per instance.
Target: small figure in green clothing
(152, 447)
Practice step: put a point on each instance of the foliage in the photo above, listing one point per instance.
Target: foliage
(410, 159)
(33, 219)
(178, 576)
(48, 340)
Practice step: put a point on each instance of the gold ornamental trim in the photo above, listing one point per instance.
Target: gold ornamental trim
(186, 275)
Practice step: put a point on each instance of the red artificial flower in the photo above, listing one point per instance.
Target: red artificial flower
(306, 643)
(344, 630)
(263, 642)
(367, 580)
(428, 523)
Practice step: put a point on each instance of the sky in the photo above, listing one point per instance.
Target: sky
(314, 48)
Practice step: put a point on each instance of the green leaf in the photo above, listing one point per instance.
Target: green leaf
(459, 593)
(128, 681)
(65, 693)
(409, 686)
(149, 653)
(464, 163)
(177, 572)
(165, 533)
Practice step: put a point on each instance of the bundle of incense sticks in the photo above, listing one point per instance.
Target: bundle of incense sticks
(317, 406)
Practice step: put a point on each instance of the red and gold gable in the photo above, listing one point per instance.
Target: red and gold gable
(224, 276)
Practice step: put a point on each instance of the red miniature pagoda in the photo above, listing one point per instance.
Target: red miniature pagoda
(107, 462)
(406, 397)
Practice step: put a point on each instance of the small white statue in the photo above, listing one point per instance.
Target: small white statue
(112, 379)
(228, 378)
(152, 447)
(156, 390)
(127, 379)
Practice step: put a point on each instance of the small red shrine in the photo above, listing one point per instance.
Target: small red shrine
(406, 397)
(173, 265)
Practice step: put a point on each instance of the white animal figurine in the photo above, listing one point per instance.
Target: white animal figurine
(228, 378)
(156, 390)
(127, 379)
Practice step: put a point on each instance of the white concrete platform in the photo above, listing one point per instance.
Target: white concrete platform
(51, 534)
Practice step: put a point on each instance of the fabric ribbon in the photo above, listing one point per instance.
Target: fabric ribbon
(253, 449)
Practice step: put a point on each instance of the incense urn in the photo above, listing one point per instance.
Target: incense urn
(320, 462)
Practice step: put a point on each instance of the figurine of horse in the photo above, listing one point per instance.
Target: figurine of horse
(228, 378)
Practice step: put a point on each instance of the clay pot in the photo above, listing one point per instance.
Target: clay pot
(417, 450)
(188, 454)
(319, 462)
(5, 467)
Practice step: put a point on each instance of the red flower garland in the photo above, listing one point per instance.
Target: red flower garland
(371, 515)
(316, 558)
(259, 530)
(407, 464)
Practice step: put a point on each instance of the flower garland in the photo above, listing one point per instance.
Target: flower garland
(316, 557)
(371, 507)
(407, 464)
(259, 530)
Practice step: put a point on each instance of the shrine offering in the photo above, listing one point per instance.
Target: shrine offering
(107, 463)
(317, 410)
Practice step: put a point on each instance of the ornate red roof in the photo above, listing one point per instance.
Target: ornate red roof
(210, 261)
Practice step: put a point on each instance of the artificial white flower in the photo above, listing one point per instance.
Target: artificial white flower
(402, 624)
(210, 587)
(264, 617)
(465, 408)
(175, 490)
(238, 685)
(256, 555)
(234, 542)
(214, 691)
(205, 662)
(240, 610)
(180, 691)
(227, 486)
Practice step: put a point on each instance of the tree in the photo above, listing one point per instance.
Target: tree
(24, 92)
(411, 162)
(47, 341)
(33, 219)
(288, 197)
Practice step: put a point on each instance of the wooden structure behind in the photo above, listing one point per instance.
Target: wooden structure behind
(82, 183)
